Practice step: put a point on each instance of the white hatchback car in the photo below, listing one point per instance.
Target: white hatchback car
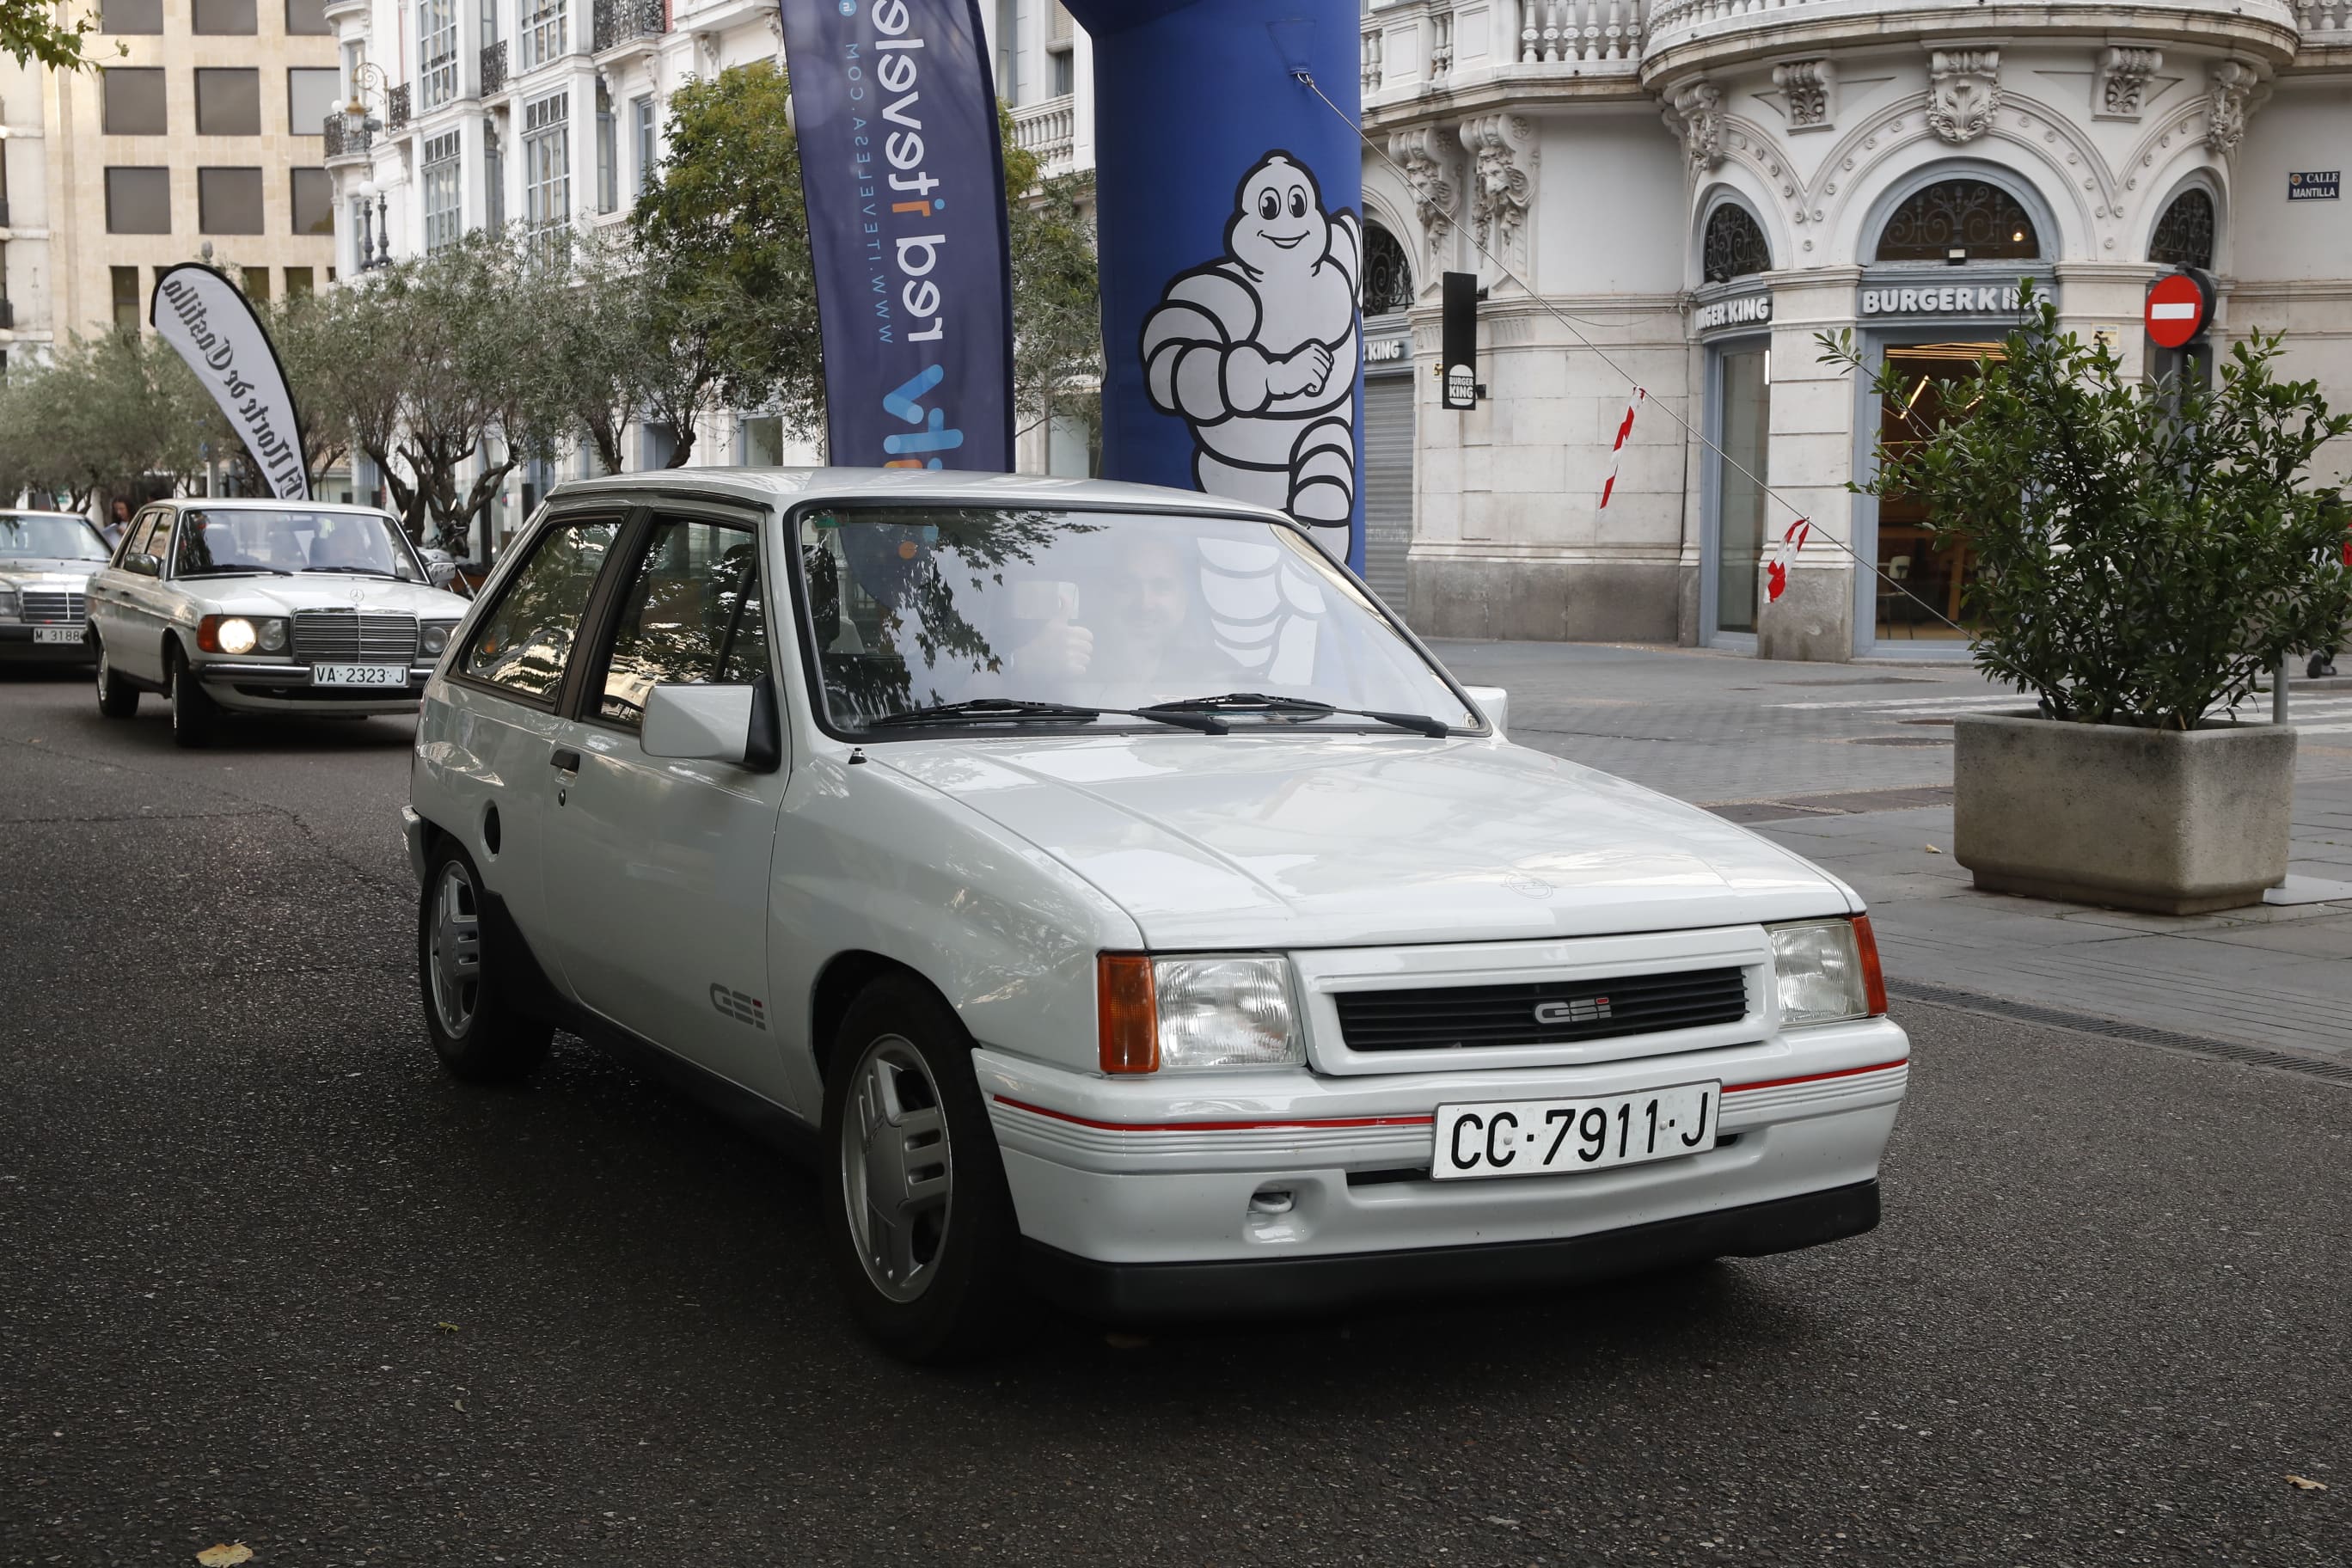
(264, 606)
(1122, 903)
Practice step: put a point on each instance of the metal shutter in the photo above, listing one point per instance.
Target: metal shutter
(1387, 484)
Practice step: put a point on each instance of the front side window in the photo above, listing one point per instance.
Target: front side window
(149, 539)
(48, 539)
(692, 615)
(436, 47)
(442, 219)
(270, 542)
(522, 644)
(919, 608)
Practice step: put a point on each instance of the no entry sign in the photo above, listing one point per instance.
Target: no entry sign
(2175, 310)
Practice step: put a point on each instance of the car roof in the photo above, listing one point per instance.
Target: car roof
(791, 487)
(43, 511)
(263, 503)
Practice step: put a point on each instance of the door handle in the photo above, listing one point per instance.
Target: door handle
(565, 760)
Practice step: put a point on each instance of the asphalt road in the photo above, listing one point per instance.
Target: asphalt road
(267, 1276)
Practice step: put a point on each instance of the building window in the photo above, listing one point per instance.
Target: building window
(234, 17)
(313, 196)
(443, 220)
(134, 102)
(1959, 220)
(545, 31)
(641, 120)
(256, 282)
(229, 201)
(608, 153)
(1743, 466)
(312, 93)
(127, 302)
(1008, 50)
(494, 176)
(138, 200)
(297, 282)
(1388, 276)
(307, 18)
(228, 102)
(547, 161)
(2184, 234)
(132, 17)
(1734, 245)
(437, 46)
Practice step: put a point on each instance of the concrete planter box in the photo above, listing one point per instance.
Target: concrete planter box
(2174, 822)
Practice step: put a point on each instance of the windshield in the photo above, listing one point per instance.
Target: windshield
(919, 608)
(254, 539)
(49, 537)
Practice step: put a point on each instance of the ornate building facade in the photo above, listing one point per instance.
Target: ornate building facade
(1695, 189)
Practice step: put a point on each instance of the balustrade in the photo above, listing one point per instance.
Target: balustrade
(1436, 43)
(1048, 131)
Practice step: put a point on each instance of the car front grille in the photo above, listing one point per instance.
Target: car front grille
(54, 607)
(346, 636)
(1539, 1013)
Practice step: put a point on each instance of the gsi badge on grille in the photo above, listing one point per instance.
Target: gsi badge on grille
(1578, 1010)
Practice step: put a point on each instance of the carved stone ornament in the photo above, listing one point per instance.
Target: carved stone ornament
(2123, 80)
(1695, 113)
(1429, 169)
(1964, 92)
(1502, 149)
(1806, 86)
(2225, 114)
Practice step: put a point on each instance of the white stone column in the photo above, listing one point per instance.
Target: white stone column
(1812, 457)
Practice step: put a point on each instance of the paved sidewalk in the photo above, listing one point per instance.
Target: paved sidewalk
(1852, 767)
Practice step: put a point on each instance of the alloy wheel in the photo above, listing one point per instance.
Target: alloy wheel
(454, 950)
(897, 1171)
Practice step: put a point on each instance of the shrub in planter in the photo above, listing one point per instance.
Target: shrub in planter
(2145, 552)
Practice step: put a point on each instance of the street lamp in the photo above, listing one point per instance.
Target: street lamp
(368, 80)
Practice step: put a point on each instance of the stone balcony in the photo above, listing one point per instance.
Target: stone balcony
(1049, 130)
(1472, 52)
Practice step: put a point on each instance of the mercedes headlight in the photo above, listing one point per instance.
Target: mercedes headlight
(433, 636)
(8, 604)
(1200, 1012)
(1827, 972)
(236, 635)
(272, 634)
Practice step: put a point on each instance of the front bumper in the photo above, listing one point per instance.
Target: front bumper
(254, 685)
(1145, 1292)
(17, 647)
(1148, 1178)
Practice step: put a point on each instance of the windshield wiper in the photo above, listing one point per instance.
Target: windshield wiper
(237, 572)
(985, 708)
(1259, 702)
(354, 571)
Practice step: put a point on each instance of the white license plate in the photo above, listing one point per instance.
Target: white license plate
(57, 634)
(358, 675)
(1553, 1137)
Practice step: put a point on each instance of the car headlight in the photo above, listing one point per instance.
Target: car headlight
(1206, 1011)
(1827, 972)
(433, 636)
(272, 634)
(234, 633)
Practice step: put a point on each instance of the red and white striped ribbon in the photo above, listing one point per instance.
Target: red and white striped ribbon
(1617, 452)
(1776, 571)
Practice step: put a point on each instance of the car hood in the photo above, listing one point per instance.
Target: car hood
(1363, 839)
(288, 595)
(18, 570)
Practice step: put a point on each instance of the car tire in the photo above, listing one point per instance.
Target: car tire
(117, 698)
(195, 717)
(477, 1032)
(919, 1219)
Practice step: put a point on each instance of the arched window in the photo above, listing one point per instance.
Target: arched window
(1975, 218)
(2184, 234)
(1388, 276)
(1734, 246)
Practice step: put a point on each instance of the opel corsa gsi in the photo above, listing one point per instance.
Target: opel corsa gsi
(1121, 904)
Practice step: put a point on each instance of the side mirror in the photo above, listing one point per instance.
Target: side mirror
(1495, 703)
(737, 724)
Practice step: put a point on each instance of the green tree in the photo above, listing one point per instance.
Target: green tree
(630, 351)
(104, 415)
(36, 30)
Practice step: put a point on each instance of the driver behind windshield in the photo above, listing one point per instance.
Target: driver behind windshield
(1139, 631)
(259, 540)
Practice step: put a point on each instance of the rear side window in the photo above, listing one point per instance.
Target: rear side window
(522, 644)
(692, 614)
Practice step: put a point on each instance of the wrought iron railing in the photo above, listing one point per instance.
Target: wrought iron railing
(342, 137)
(494, 67)
(616, 21)
(395, 107)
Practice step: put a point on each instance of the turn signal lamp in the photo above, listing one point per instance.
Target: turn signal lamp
(1130, 1021)
(1873, 982)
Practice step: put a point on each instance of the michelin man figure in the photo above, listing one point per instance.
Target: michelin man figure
(1256, 350)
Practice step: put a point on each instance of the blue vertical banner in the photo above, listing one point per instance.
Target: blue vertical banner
(1230, 204)
(904, 183)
